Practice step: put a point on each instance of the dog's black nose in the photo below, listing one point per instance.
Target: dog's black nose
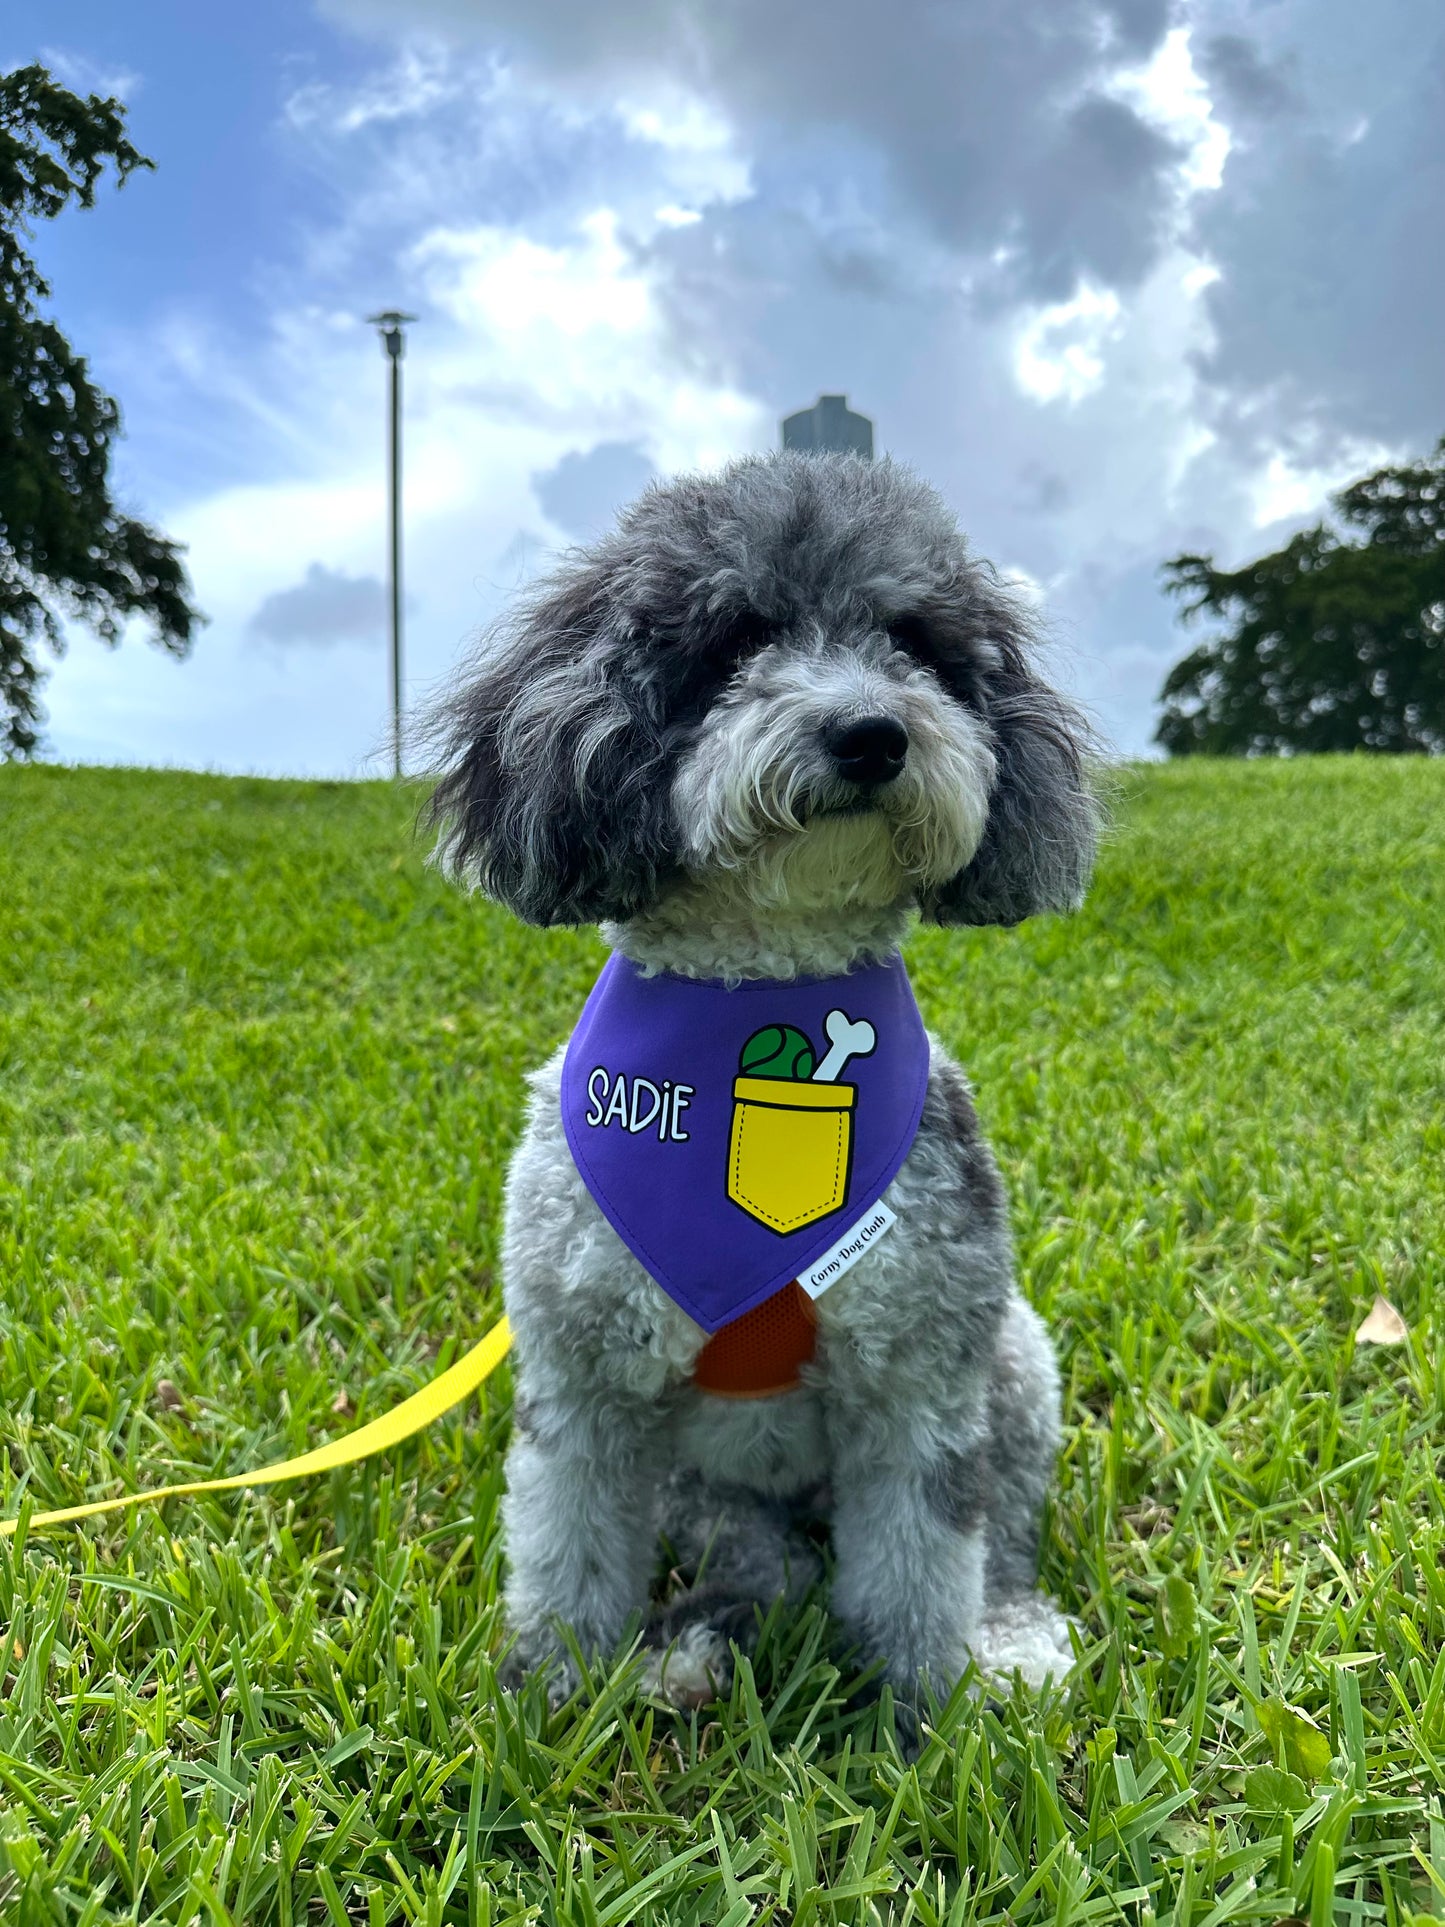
(872, 750)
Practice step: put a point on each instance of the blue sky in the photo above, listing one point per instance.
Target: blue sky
(1123, 278)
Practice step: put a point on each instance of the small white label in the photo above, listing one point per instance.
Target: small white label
(849, 1249)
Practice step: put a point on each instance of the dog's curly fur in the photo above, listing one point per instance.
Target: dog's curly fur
(652, 743)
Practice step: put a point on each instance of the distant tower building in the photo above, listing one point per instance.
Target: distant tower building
(829, 423)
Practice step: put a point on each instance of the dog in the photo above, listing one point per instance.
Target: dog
(775, 715)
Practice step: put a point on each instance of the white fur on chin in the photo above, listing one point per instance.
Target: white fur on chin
(812, 904)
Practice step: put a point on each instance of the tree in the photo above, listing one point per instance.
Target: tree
(65, 548)
(1335, 642)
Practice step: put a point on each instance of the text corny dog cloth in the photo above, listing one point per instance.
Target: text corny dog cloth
(738, 1138)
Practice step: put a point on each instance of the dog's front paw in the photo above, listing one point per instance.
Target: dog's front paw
(694, 1670)
(535, 1655)
(1027, 1637)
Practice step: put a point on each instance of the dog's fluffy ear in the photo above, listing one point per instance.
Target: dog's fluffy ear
(553, 793)
(1038, 844)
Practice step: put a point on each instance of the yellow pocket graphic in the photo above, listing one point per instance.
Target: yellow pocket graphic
(791, 1150)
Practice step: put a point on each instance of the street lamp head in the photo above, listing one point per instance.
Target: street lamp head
(391, 322)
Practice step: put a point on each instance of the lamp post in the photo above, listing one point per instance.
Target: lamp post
(391, 323)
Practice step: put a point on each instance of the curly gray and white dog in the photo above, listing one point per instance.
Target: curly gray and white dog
(775, 715)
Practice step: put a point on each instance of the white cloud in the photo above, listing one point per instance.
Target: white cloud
(419, 79)
(1059, 350)
(702, 144)
(1169, 91)
(562, 303)
(1290, 492)
(82, 75)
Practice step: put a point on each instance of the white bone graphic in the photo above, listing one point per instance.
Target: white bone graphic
(845, 1040)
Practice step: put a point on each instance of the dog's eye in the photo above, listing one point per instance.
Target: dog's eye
(743, 635)
(960, 665)
(913, 634)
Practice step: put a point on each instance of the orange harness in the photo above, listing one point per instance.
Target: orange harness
(763, 1351)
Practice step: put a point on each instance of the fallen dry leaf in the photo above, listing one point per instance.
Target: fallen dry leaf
(1383, 1326)
(1148, 1517)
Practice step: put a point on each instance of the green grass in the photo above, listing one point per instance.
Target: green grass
(260, 1072)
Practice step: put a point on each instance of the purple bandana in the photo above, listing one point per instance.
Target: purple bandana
(734, 1137)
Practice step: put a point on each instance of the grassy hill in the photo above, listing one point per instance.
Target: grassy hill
(260, 1072)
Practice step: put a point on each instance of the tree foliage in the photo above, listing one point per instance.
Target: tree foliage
(66, 550)
(1335, 642)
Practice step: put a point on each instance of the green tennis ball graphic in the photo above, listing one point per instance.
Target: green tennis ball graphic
(777, 1051)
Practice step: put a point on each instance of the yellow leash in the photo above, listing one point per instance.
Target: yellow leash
(414, 1414)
